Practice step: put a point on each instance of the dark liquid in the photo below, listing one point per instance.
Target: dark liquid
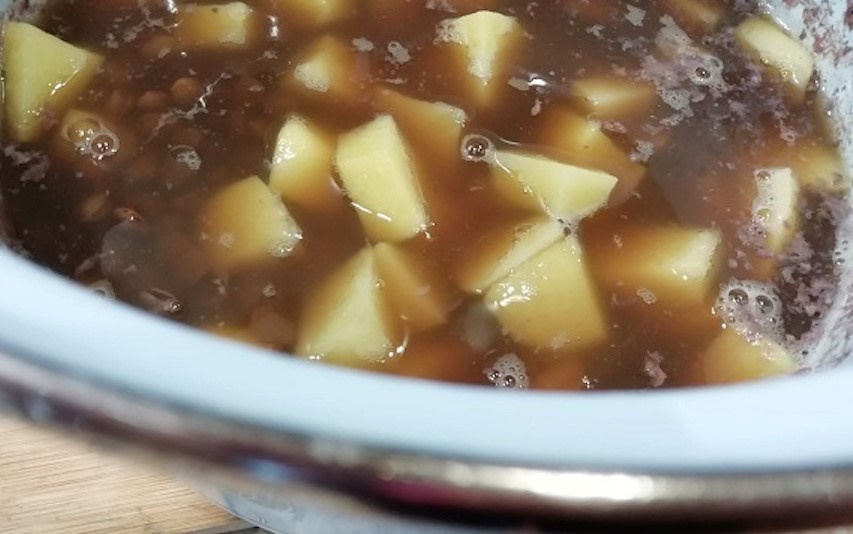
(129, 222)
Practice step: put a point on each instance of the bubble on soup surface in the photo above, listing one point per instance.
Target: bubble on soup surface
(92, 138)
(398, 53)
(508, 371)
(704, 69)
(186, 155)
(477, 148)
(752, 308)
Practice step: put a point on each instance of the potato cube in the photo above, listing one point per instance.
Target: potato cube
(585, 145)
(503, 249)
(381, 181)
(43, 77)
(676, 266)
(697, 15)
(779, 53)
(433, 128)
(820, 166)
(564, 191)
(301, 165)
(774, 209)
(346, 319)
(549, 301)
(732, 357)
(484, 40)
(310, 13)
(246, 222)
(327, 72)
(421, 298)
(217, 26)
(610, 98)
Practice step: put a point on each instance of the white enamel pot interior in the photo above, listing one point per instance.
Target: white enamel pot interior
(797, 422)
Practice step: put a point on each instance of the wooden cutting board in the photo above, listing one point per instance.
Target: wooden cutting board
(51, 484)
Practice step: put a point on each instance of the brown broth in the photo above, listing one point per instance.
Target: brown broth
(132, 219)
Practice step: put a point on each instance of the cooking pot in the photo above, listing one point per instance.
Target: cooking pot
(303, 447)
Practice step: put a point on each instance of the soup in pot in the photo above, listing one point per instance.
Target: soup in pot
(562, 194)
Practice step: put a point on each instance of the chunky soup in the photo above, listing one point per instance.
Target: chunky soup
(562, 194)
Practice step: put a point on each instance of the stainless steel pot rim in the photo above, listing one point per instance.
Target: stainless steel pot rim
(793, 423)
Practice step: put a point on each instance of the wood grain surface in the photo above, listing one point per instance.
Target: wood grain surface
(51, 484)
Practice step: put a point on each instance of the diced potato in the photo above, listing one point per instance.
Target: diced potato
(216, 26)
(327, 72)
(564, 191)
(43, 77)
(610, 98)
(310, 13)
(503, 249)
(774, 209)
(246, 222)
(585, 145)
(418, 296)
(697, 15)
(733, 358)
(485, 39)
(378, 176)
(549, 301)
(820, 166)
(420, 121)
(778, 52)
(301, 166)
(674, 265)
(346, 319)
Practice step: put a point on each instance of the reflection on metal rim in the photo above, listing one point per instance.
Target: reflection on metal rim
(251, 457)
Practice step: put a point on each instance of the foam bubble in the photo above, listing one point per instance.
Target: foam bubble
(704, 69)
(476, 148)
(398, 53)
(671, 37)
(91, 137)
(447, 32)
(508, 371)
(752, 308)
(186, 155)
(362, 44)
(764, 206)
